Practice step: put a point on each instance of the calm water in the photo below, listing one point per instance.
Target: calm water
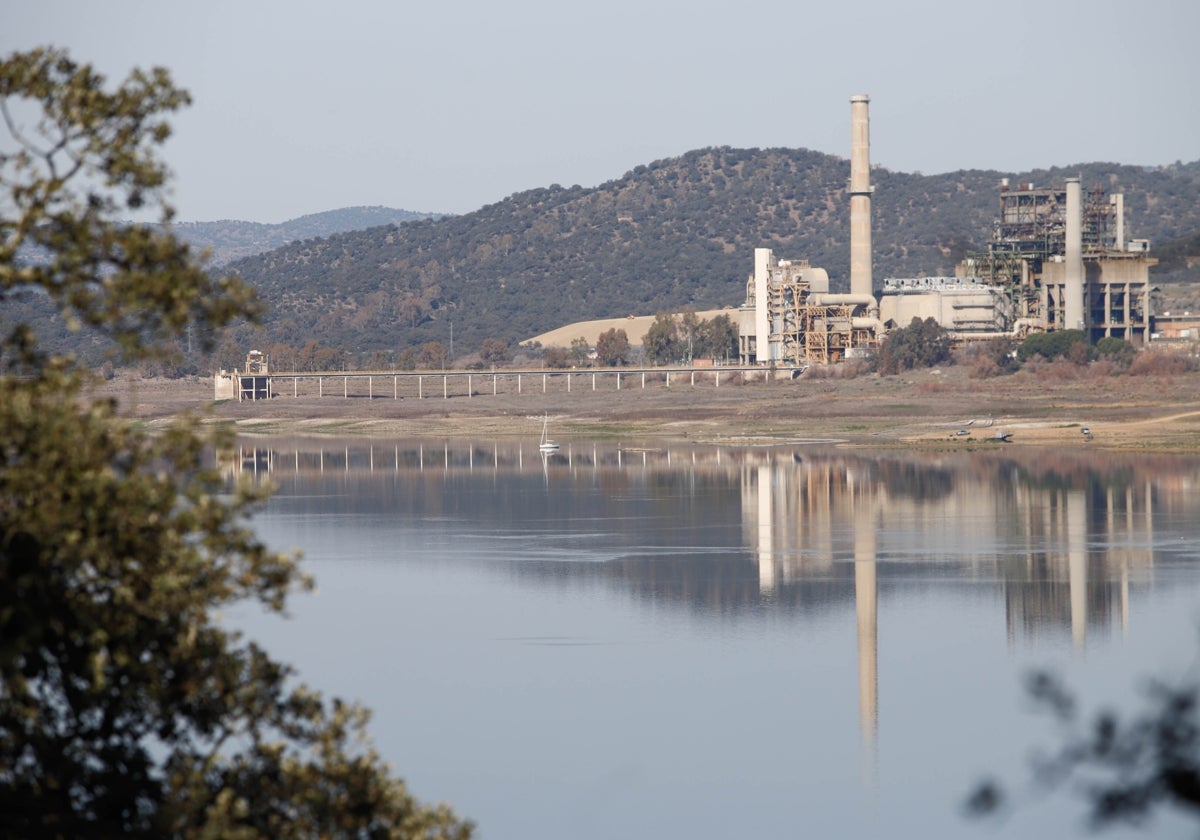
(717, 642)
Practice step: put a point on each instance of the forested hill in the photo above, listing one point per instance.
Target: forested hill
(675, 233)
(230, 239)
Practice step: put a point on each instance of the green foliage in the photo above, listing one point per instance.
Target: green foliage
(612, 348)
(1127, 768)
(126, 708)
(1051, 345)
(674, 338)
(920, 344)
(1116, 350)
(99, 273)
(717, 338)
(661, 344)
(689, 333)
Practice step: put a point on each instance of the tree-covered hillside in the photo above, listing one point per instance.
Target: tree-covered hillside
(673, 234)
(230, 239)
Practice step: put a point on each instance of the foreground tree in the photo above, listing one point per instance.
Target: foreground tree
(1125, 768)
(126, 709)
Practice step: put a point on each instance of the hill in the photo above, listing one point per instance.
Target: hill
(230, 240)
(673, 234)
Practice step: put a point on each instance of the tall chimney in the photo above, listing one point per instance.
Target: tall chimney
(860, 196)
(762, 316)
(1074, 258)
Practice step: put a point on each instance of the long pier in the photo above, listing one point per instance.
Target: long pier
(446, 384)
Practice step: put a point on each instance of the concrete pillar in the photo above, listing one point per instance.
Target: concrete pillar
(1074, 314)
(861, 282)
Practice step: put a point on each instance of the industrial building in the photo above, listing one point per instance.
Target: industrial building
(1056, 261)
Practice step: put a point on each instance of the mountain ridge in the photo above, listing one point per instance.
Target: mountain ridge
(230, 239)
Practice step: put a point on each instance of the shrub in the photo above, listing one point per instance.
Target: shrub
(992, 358)
(1050, 345)
(1116, 350)
(920, 344)
(1161, 363)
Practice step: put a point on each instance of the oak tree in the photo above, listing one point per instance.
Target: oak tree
(126, 707)
(612, 348)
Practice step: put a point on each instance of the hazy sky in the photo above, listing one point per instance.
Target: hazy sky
(446, 106)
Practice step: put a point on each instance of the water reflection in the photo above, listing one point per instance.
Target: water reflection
(1064, 535)
(1061, 542)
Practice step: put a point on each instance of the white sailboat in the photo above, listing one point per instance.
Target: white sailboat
(547, 445)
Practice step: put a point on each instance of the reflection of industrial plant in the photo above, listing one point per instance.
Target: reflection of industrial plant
(1064, 534)
(1056, 261)
(1063, 541)
(1065, 538)
(1064, 546)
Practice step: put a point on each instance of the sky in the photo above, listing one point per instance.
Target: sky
(443, 106)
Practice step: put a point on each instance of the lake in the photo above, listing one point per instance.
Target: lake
(714, 641)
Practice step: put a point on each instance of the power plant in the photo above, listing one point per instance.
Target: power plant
(1056, 261)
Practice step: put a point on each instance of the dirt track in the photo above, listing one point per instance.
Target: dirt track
(927, 407)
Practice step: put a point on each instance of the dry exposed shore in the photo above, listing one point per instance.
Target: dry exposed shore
(918, 408)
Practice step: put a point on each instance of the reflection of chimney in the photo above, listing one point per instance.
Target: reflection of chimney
(860, 196)
(1074, 258)
(865, 594)
(1077, 577)
(766, 534)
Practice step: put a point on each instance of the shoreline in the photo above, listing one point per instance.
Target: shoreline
(940, 408)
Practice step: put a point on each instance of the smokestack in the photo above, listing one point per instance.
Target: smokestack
(860, 196)
(762, 319)
(1073, 304)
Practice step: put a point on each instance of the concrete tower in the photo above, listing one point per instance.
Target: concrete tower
(860, 196)
(1073, 291)
(762, 318)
